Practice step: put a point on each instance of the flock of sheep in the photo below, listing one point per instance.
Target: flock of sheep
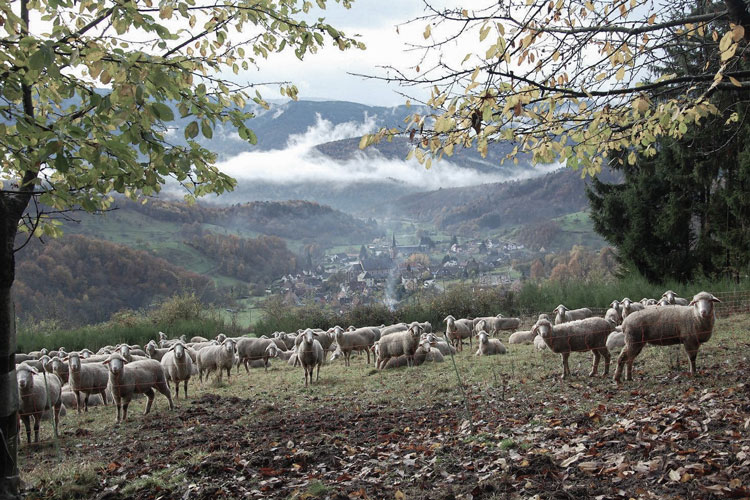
(50, 381)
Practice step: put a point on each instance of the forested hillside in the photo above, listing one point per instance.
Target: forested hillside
(470, 210)
(78, 280)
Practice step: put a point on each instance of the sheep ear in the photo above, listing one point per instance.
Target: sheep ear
(714, 299)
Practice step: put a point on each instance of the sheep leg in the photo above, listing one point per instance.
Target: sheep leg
(566, 369)
(368, 355)
(607, 359)
(246, 362)
(164, 389)
(103, 394)
(229, 374)
(78, 401)
(317, 376)
(177, 390)
(595, 367)
(56, 421)
(691, 348)
(86, 402)
(124, 410)
(27, 424)
(185, 388)
(37, 421)
(150, 395)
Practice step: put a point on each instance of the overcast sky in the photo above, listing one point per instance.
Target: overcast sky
(324, 75)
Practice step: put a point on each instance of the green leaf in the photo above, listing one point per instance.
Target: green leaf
(191, 131)
(208, 133)
(252, 137)
(161, 110)
(37, 60)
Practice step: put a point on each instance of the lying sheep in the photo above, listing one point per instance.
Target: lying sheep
(178, 367)
(673, 299)
(488, 346)
(563, 314)
(424, 353)
(522, 337)
(397, 344)
(588, 334)
(216, 357)
(539, 343)
(37, 393)
(457, 330)
(86, 379)
(69, 399)
(138, 377)
(689, 325)
(440, 345)
(310, 354)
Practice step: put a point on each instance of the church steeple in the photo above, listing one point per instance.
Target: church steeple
(394, 250)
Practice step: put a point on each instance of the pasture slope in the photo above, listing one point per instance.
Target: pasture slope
(512, 429)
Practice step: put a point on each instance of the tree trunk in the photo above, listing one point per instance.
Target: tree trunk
(9, 217)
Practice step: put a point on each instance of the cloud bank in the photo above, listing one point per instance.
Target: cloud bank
(300, 162)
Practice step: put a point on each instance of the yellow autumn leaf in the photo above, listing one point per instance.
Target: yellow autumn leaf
(620, 73)
(735, 82)
(726, 41)
(738, 33)
(427, 31)
(399, 495)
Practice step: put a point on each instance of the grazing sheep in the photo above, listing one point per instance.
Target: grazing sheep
(86, 379)
(522, 337)
(178, 367)
(673, 299)
(588, 334)
(690, 325)
(563, 314)
(37, 393)
(288, 339)
(397, 344)
(217, 357)
(629, 307)
(360, 340)
(310, 354)
(251, 350)
(488, 346)
(137, 377)
(457, 330)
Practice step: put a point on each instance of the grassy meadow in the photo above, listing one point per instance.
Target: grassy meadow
(494, 427)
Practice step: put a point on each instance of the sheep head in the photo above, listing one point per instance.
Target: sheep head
(25, 377)
(542, 328)
(115, 362)
(704, 304)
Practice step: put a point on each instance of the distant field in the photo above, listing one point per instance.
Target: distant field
(492, 428)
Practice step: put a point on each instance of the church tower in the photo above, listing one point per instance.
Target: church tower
(394, 250)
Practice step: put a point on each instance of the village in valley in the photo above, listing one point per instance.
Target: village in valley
(385, 271)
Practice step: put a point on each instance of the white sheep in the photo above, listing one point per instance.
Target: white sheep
(198, 338)
(613, 316)
(690, 325)
(37, 393)
(522, 337)
(457, 330)
(563, 314)
(488, 346)
(616, 340)
(539, 343)
(86, 379)
(137, 377)
(588, 334)
(424, 353)
(673, 299)
(216, 357)
(251, 350)
(629, 307)
(178, 367)
(154, 352)
(495, 324)
(440, 345)
(397, 344)
(310, 354)
(397, 327)
(361, 339)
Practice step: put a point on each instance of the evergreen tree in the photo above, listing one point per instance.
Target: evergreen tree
(684, 211)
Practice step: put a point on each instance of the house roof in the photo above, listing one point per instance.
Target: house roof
(378, 263)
